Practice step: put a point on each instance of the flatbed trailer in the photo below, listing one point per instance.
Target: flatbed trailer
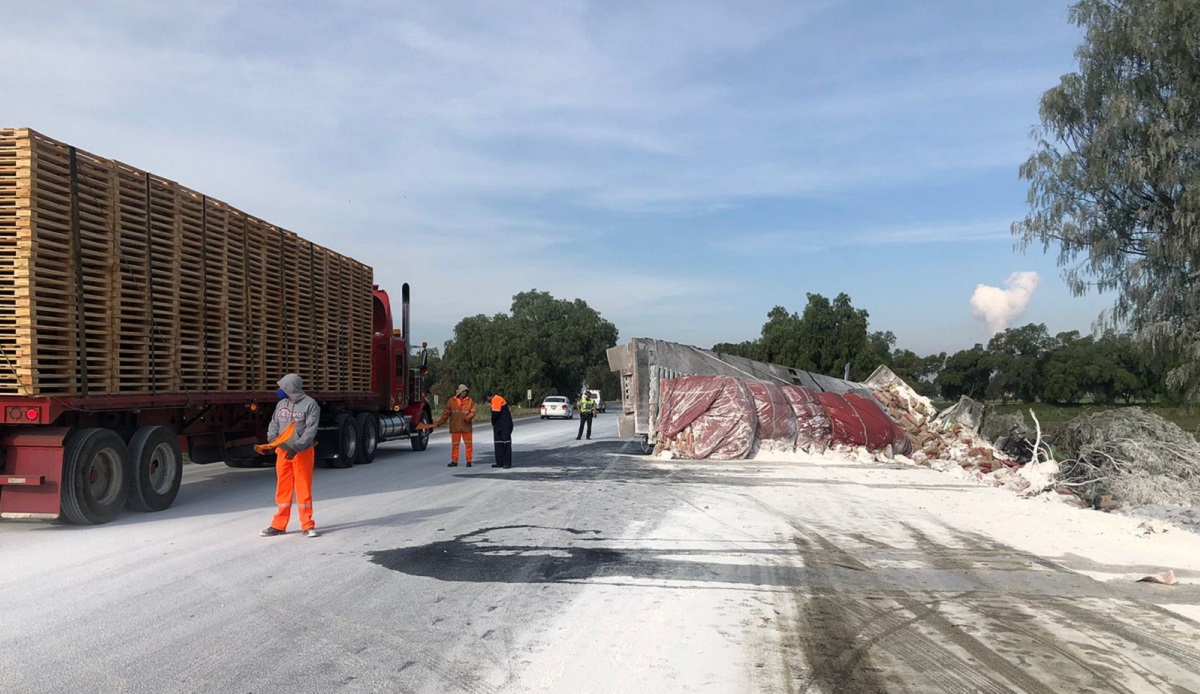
(141, 320)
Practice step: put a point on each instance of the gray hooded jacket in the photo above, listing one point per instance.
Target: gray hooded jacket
(298, 408)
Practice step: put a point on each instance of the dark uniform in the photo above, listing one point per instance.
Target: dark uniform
(587, 409)
(502, 428)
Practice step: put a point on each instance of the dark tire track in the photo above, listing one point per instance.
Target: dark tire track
(861, 634)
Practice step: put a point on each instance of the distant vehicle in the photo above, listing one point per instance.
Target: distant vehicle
(599, 400)
(557, 406)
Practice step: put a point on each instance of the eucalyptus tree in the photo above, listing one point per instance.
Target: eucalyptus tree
(1114, 181)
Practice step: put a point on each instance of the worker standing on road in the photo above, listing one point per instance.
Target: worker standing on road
(587, 408)
(502, 428)
(460, 410)
(294, 456)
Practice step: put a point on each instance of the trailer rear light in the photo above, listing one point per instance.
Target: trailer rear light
(15, 414)
(32, 414)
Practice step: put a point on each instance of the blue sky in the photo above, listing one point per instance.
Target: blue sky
(681, 166)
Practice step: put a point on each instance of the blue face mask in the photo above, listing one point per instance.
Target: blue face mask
(282, 395)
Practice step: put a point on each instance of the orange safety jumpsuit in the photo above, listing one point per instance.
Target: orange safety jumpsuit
(460, 411)
(294, 475)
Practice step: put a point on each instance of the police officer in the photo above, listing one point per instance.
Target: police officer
(587, 408)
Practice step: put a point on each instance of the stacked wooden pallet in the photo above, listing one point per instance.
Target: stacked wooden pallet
(117, 281)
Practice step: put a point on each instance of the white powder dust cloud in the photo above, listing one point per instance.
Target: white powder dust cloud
(1000, 307)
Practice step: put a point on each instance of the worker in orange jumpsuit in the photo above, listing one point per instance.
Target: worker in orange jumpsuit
(460, 411)
(294, 455)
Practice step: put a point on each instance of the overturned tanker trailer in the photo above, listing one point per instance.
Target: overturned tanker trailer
(706, 404)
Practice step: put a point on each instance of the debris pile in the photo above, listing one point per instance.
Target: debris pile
(1010, 433)
(1131, 456)
(940, 439)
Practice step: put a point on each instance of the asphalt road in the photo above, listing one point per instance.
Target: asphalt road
(586, 568)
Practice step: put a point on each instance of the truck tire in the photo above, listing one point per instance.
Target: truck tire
(96, 472)
(420, 440)
(157, 469)
(368, 437)
(347, 441)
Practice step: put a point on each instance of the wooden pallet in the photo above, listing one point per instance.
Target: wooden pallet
(113, 280)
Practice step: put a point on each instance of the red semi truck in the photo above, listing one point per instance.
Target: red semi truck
(140, 320)
(86, 458)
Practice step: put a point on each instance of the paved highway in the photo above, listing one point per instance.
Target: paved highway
(586, 568)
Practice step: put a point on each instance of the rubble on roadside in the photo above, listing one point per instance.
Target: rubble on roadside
(949, 440)
(1133, 456)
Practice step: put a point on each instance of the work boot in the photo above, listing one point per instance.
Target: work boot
(270, 531)
(452, 464)
(497, 465)
(312, 532)
(506, 466)
(468, 463)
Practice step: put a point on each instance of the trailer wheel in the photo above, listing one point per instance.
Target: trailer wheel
(420, 440)
(96, 472)
(368, 437)
(347, 441)
(157, 466)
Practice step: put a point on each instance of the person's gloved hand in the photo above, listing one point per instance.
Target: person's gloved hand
(290, 455)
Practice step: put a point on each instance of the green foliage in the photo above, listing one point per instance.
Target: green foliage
(747, 349)
(918, 372)
(965, 373)
(1027, 365)
(826, 337)
(1115, 179)
(546, 345)
(1015, 357)
(607, 381)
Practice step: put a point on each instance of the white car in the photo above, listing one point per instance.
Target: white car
(557, 406)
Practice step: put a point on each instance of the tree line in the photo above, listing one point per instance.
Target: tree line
(543, 346)
(1025, 363)
(548, 346)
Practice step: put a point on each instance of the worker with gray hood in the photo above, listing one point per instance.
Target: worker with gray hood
(295, 455)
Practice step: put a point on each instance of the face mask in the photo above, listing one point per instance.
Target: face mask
(282, 395)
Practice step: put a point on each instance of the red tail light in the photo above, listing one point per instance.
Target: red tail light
(33, 414)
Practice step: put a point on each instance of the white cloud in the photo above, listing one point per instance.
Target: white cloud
(1000, 307)
(485, 139)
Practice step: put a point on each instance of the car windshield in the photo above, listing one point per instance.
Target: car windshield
(556, 400)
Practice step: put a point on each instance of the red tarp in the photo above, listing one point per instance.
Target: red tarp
(726, 417)
(812, 423)
(717, 412)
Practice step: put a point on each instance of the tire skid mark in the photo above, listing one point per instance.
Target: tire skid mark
(1013, 618)
(432, 661)
(1168, 648)
(1072, 615)
(938, 622)
(897, 635)
(829, 637)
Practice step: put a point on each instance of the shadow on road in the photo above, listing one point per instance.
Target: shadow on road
(622, 462)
